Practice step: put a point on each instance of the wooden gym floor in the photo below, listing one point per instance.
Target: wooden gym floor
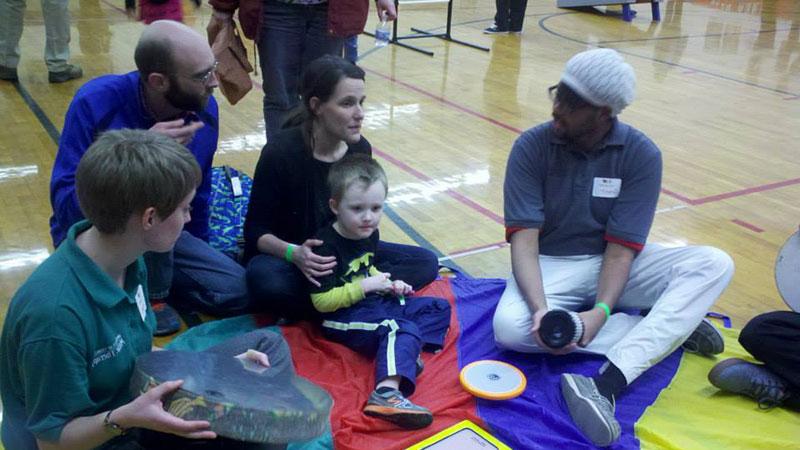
(718, 91)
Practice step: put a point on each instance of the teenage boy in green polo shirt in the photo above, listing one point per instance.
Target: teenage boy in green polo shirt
(74, 329)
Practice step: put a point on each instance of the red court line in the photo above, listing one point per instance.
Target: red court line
(746, 191)
(447, 102)
(456, 195)
(749, 226)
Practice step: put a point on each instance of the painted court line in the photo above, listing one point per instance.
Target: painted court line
(475, 251)
(747, 225)
(453, 194)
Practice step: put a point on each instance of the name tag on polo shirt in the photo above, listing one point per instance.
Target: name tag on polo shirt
(606, 187)
(140, 302)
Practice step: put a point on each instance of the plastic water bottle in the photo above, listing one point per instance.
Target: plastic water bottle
(382, 33)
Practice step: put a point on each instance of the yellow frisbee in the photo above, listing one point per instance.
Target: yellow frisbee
(492, 380)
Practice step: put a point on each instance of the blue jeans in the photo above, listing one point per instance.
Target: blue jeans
(510, 14)
(292, 35)
(196, 277)
(279, 287)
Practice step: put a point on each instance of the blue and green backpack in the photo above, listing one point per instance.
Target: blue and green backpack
(230, 194)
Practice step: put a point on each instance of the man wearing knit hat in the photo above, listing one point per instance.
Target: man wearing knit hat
(580, 196)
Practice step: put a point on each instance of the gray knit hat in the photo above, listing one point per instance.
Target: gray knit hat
(602, 78)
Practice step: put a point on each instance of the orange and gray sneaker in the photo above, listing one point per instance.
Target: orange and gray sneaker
(390, 405)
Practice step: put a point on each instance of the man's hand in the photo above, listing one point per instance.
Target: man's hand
(401, 288)
(386, 10)
(178, 129)
(377, 283)
(593, 321)
(312, 265)
(147, 411)
(537, 321)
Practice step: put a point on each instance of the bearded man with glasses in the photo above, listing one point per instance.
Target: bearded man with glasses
(580, 196)
(170, 93)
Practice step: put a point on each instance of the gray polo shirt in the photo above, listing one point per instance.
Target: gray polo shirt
(580, 200)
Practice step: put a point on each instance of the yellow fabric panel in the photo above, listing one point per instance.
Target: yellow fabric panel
(692, 414)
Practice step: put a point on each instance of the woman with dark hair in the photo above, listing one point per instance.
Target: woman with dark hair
(289, 199)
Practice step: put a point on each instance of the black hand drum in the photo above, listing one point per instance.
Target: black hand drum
(241, 400)
(560, 328)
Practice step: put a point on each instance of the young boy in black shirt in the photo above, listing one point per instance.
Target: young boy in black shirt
(364, 308)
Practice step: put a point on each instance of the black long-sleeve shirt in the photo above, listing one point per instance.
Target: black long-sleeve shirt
(290, 193)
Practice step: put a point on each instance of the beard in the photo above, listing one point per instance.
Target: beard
(184, 100)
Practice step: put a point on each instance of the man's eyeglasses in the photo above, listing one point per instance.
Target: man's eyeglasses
(552, 91)
(204, 76)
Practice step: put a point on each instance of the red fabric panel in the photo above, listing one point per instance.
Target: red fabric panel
(349, 378)
(633, 245)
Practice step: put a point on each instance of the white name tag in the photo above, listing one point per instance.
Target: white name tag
(236, 185)
(606, 187)
(140, 302)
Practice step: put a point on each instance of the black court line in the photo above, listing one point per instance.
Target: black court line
(418, 238)
(668, 63)
(37, 111)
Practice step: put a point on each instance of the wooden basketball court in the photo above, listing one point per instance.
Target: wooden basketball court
(718, 91)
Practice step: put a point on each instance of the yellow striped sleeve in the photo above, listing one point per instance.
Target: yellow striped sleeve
(338, 297)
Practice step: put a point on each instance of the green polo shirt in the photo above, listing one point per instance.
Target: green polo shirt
(69, 343)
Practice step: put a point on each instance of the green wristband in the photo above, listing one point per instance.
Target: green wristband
(604, 307)
(289, 251)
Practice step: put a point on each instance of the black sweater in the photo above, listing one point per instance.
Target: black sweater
(290, 193)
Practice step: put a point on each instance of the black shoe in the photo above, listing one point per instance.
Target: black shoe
(753, 380)
(493, 30)
(70, 73)
(8, 73)
(705, 340)
(167, 319)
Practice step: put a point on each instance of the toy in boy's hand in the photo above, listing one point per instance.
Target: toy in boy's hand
(560, 328)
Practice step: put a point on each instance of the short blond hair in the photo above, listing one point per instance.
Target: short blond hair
(127, 171)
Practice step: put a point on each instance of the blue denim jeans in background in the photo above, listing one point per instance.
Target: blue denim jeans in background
(196, 277)
(279, 287)
(292, 35)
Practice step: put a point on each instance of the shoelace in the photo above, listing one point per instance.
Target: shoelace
(768, 392)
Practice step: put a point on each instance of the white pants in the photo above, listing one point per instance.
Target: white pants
(677, 285)
(56, 25)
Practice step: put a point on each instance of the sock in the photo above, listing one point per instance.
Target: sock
(383, 389)
(610, 381)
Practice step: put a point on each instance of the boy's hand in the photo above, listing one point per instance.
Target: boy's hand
(377, 283)
(400, 287)
(312, 265)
